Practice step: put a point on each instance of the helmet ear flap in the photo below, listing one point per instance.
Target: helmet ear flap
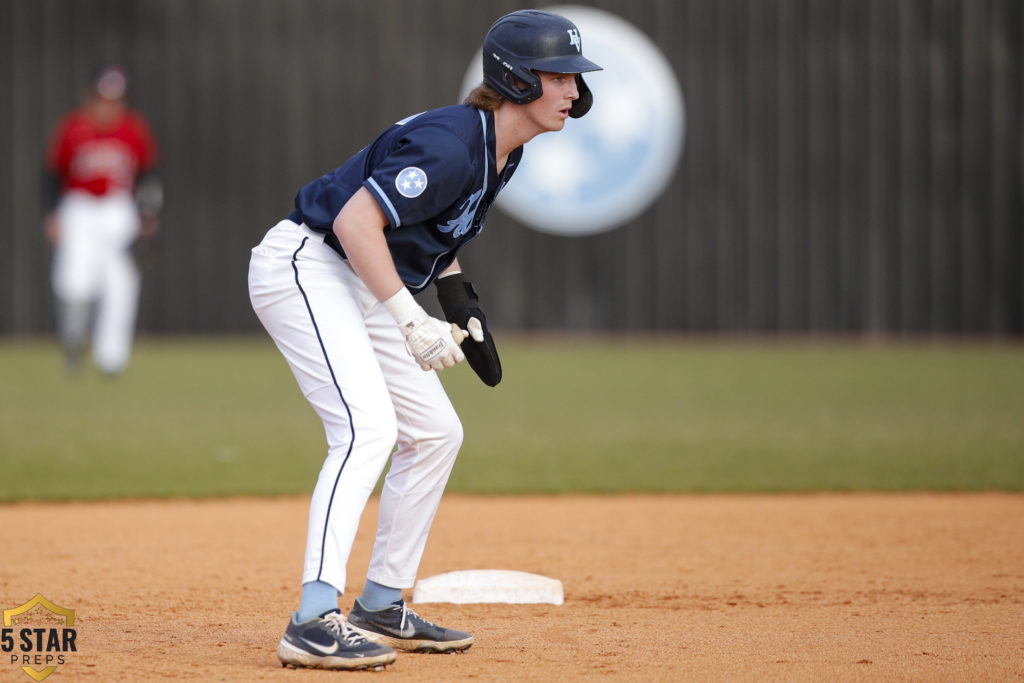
(526, 86)
(584, 102)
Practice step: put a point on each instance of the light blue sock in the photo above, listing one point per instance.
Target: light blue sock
(317, 597)
(376, 596)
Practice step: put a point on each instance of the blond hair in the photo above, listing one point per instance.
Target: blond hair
(484, 97)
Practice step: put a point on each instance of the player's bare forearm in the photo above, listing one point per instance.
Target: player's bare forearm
(360, 229)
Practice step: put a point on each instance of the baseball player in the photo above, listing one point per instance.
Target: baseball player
(98, 156)
(333, 284)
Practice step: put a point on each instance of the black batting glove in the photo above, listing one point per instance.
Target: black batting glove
(461, 306)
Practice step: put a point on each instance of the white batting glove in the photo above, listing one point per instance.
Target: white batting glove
(429, 340)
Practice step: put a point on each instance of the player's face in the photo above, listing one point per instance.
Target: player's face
(105, 111)
(551, 109)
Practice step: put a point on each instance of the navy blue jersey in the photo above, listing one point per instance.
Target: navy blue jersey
(434, 176)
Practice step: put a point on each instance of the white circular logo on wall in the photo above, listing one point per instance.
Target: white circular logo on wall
(606, 168)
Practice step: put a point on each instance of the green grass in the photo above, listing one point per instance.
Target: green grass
(210, 417)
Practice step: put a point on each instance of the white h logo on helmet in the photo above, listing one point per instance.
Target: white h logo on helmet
(574, 39)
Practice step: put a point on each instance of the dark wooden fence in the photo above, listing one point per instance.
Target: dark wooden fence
(850, 165)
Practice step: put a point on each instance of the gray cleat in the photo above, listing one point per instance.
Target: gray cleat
(328, 642)
(401, 628)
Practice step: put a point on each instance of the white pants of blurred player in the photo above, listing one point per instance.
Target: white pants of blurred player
(95, 278)
(350, 360)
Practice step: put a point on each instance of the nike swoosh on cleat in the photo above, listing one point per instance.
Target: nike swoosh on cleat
(408, 632)
(320, 648)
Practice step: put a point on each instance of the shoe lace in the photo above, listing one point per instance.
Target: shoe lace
(338, 625)
(408, 614)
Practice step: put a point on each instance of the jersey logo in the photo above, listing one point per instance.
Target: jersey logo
(460, 225)
(574, 39)
(411, 182)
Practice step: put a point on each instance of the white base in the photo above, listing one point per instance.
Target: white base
(489, 585)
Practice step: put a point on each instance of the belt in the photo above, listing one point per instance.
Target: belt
(330, 239)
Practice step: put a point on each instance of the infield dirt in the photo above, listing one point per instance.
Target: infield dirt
(843, 587)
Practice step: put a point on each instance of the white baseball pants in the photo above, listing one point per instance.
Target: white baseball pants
(350, 361)
(93, 265)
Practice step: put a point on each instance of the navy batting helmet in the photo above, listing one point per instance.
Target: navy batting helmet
(522, 43)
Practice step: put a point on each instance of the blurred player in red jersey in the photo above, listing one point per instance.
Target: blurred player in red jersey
(100, 197)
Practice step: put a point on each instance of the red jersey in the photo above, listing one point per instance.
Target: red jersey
(101, 161)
